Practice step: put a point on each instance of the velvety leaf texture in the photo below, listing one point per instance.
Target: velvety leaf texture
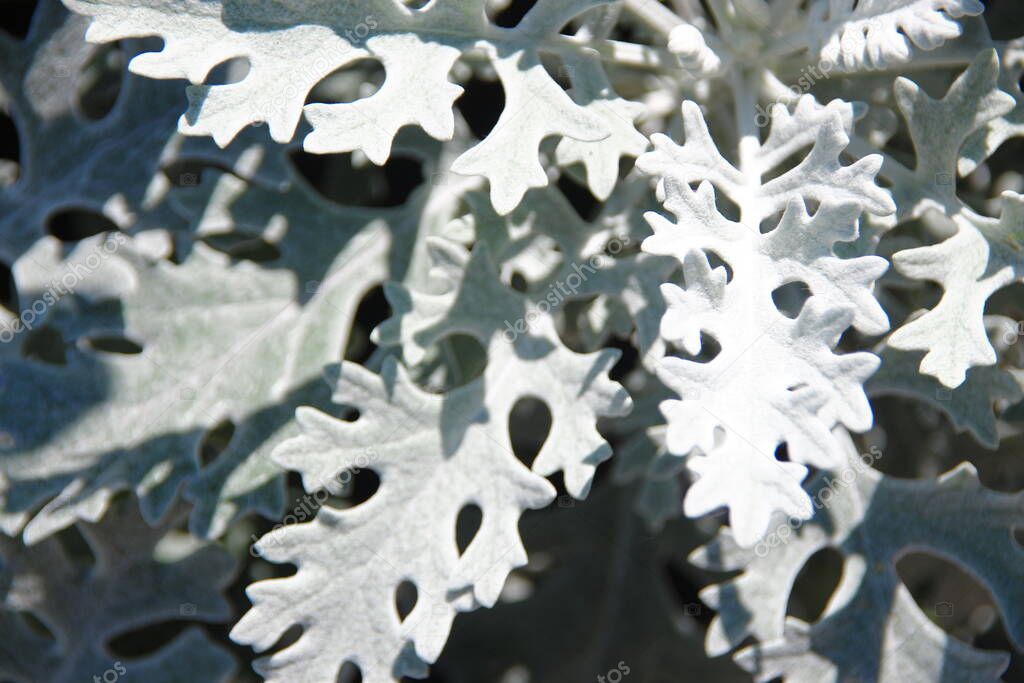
(517, 341)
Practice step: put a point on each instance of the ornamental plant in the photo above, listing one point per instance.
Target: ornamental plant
(498, 340)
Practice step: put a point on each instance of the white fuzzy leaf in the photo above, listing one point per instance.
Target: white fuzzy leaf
(984, 254)
(290, 47)
(601, 158)
(876, 34)
(968, 406)
(113, 167)
(140, 577)
(249, 347)
(984, 142)
(434, 455)
(872, 519)
(573, 386)
(776, 379)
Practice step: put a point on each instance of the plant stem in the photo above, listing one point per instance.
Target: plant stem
(745, 107)
(618, 52)
(655, 15)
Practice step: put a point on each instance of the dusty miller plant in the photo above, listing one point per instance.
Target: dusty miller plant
(760, 257)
